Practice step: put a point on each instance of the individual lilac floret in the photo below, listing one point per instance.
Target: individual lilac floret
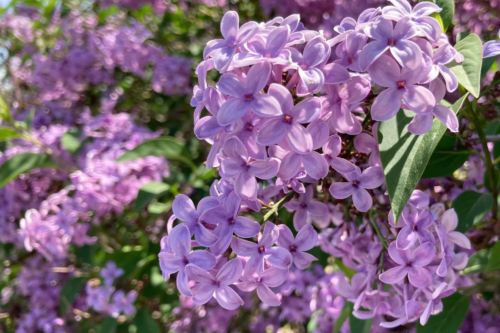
(406, 313)
(442, 291)
(275, 256)
(313, 162)
(176, 261)
(439, 58)
(331, 151)
(306, 239)
(348, 51)
(417, 223)
(341, 99)
(223, 50)
(289, 125)
(110, 273)
(368, 144)
(209, 126)
(226, 216)
(449, 222)
(123, 303)
(270, 49)
(304, 207)
(419, 16)
(396, 39)
(270, 278)
(402, 87)
(184, 210)
(245, 94)
(208, 286)
(421, 124)
(308, 65)
(236, 163)
(356, 185)
(411, 264)
(492, 48)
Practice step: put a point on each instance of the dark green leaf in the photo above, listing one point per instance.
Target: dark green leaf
(447, 12)
(447, 158)
(8, 133)
(494, 261)
(145, 323)
(109, 325)
(469, 71)
(348, 272)
(148, 192)
(159, 207)
(69, 292)
(358, 325)
(404, 156)
(477, 262)
(23, 163)
(486, 65)
(346, 312)
(471, 208)
(450, 319)
(71, 142)
(167, 147)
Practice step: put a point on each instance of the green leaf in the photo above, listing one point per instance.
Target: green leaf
(486, 65)
(494, 261)
(447, 12)
(69, 292)
(446, 158)
(469, 71)
(348, 272)
(71, 141)
(148, 192)
(477, 262)
(23, 163)
(346, 312)
(471, 207)
(158, 208)
(5, 111)
(145, 323)
(109, 325)
(450, 319)
(8, 133)
(358, 325)
(404, 156)
(167, 147)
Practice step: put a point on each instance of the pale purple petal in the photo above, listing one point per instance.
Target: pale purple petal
(313, 79)
(223, 58)
(407, 54)
(272, 131)
(362, 199)
(307, 110)
(265, 106)
(370, 53)
(283, 96)
(267, 296)
(230, 272)
(420, 124)
(184, 208)
(406, 238)
(180, 240)
(372, 177)
(393, 275)
(399, 256)
(420, 277)
(232, 110)
(290, 166)
(299, 139)
(229, 25)
(341, 190)
(449, 77)
(459, 239)
(491, 49)
(335, 73)
(182, 283)
(228, 298)
(231, 84)
(202, 259)
(419, 99)
(319, 132)
(385, 72)
(170, 263)
(307, 238)
(387, 104)
(425, 9)
(447, 117)
(245, 227)
(204, 237)
(315, 165)
(202, 293)
(278, 257)
(265, 169)
(274, 277)
(285, 238)
(303, 259)
(257, 77)
(277, 40)
(245, 185)
(424, 254)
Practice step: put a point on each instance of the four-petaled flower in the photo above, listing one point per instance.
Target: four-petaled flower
(306, 239)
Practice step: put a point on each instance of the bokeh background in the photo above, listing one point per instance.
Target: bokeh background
(90, 80)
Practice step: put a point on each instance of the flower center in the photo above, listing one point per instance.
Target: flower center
(232, 221)
(250, 127)
(293, 248)
(409, 263)
(248, 98)
(355, 183)
(262, 249)
(350, 60)
(303, 205)
(288, 119)
(401, 84)
(391, 42)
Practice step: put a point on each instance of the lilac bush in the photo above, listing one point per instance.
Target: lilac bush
(203, 166)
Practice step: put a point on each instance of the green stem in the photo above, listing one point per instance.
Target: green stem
(487, 158)
(377, 229)
(277, 206)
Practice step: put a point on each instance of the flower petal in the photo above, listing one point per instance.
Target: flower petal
(232, 110)
(180, 240)
(362, 199)
(341, 190)
(267, 296)
(230, 272)
(387, 104)
(184, 209)
(228, 298)
(307, 238)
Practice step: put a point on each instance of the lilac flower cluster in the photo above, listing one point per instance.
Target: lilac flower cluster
(98, 188)
(105, 298)
(273, 132)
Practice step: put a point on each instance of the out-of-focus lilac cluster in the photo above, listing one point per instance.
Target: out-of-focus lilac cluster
(283, 110)
(99, 186)
(481, 17)
(105, 298)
